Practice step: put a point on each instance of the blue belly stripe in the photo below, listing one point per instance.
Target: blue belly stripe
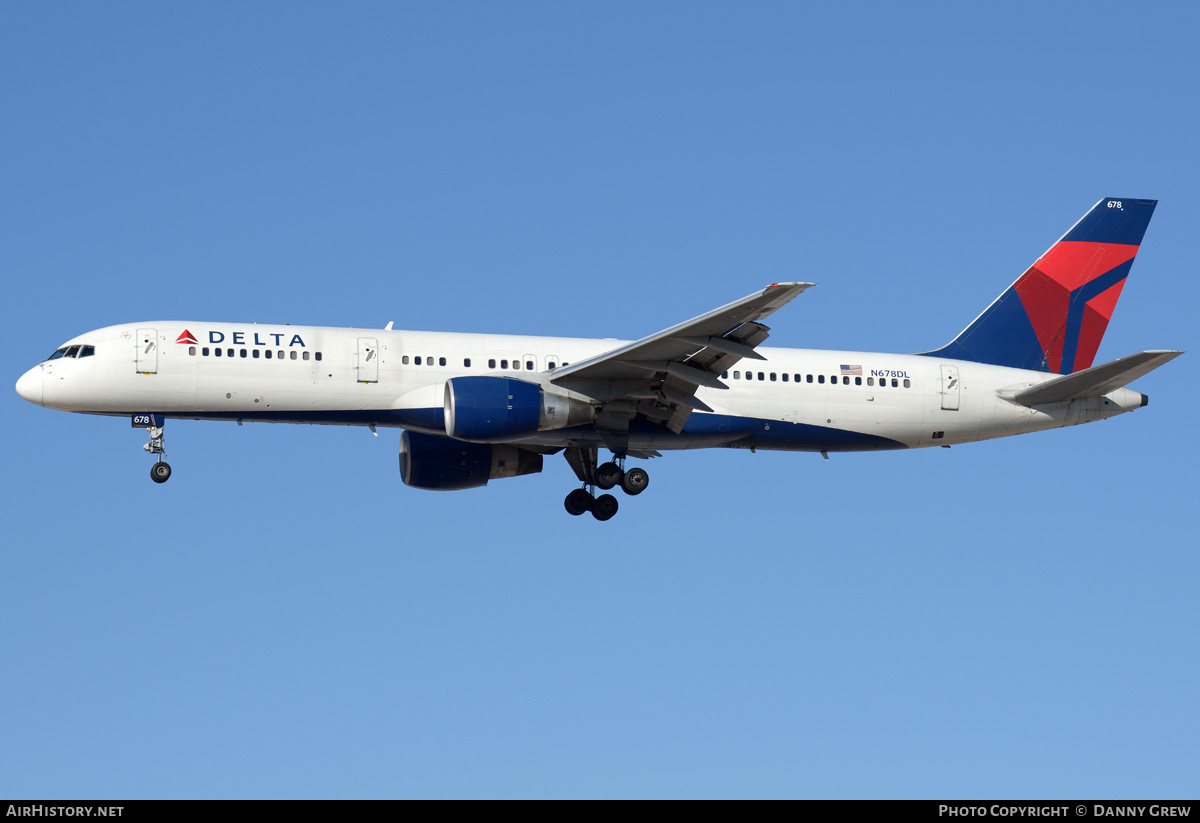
(713, 429)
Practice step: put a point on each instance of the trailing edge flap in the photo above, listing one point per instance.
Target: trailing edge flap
(709, 343)
(662, 372)
(1096, 381)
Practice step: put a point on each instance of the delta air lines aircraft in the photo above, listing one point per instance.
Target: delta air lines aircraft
(476, 407)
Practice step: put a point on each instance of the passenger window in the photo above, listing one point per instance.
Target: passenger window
(255, 353)
(317, 355)
(504, 364)
(217, 352)
(895, 383)
(737, 375)
(808, 379)
(417, 359)
(192, 351)
(833, 379)
(529, 365)
(491, 364)
(304, 356)
(441, 361)
(204, 351)
(428, 361)
(466, 362)
(772, 377)
(243, 352)
(749, 375)
(566, 364)
(293, 355)
(279, 354)
(516, 365)
(846, 381)
(724, 375)
(550, 365)
(404, 359)
(761, 376)
(907, 383)
(858, 381)
(870, 381)
(820, 378)
(785, 377)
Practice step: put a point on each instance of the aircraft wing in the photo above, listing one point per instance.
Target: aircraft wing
(658, 375)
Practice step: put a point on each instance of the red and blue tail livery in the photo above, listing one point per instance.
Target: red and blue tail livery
(1053, 318)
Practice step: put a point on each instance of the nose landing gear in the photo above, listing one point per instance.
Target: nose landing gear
(160, 472)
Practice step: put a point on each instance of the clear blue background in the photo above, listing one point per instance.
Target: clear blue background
(285, 619)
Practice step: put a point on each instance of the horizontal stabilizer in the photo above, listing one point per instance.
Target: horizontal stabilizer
(1096, 381)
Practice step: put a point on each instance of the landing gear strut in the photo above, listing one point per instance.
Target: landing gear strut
(160, 472)
(604, 477)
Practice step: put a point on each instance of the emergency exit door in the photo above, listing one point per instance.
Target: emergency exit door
(368, 360)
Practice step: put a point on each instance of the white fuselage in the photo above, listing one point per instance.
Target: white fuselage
(795, 399)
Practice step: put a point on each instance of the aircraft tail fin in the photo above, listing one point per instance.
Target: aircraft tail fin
(1054, 316)
(1095, 381)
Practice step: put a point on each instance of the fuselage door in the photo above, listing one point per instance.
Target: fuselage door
(950, 388)
(145, 352)
(368, 360)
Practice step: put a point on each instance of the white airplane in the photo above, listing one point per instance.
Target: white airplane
(476, 407)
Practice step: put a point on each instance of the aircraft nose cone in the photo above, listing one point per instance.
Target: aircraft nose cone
(30, 385)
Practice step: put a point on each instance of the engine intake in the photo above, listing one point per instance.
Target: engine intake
(496, 409)
(429, 461)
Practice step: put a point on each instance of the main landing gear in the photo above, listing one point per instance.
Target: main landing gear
(607, 476)
(160, 472)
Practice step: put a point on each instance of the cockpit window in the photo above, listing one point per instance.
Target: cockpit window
(72, 351)
(87, 351)
(58, 353)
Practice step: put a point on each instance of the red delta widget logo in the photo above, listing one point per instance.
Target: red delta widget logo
(238, 338)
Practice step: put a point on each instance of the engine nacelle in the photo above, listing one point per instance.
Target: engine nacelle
(496, 409)
(428, 461)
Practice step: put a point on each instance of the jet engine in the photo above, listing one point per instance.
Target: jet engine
(496, 409)
(429, 461)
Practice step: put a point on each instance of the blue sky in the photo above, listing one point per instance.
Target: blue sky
(286, 619)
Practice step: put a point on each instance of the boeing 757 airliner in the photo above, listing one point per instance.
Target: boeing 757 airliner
(475, 407)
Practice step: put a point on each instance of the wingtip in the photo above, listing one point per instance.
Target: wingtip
(791, 285)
